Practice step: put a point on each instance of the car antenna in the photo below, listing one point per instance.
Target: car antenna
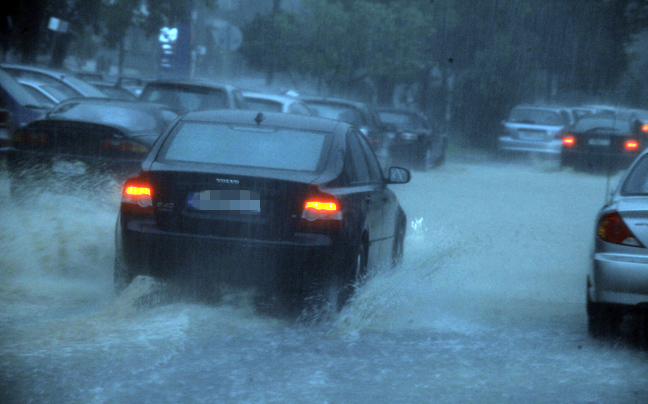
(259, 118)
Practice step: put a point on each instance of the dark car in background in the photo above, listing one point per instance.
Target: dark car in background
(81, 138)
(289, 205)
(617, 282)
(412, 139)
(193, 95)
(605, 140)
(357, 113)
(534, 129)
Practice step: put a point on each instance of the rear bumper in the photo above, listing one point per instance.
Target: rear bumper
(596, 159)
(268, 265)
(507, 143)
(619, 279)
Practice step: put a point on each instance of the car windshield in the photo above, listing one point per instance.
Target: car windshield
(403, 121)
(186, 97)
(134, 119)
(280, 149)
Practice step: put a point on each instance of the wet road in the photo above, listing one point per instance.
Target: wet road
(488, 307)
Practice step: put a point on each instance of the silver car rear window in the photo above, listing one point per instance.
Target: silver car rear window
(536, 117)
(251, 146)
(636, 183)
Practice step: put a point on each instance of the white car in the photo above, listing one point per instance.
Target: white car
(265, 102)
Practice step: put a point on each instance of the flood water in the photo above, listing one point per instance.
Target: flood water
(487, 307)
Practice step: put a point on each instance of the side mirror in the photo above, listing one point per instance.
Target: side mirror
(398, 175)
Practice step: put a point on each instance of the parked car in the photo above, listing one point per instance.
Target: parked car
(605, 140)
(83, 137)
(193, 95)
(65, 81)
(291, 205)
(617, 283)
(113, 90)
(412, 139)
(22, 107)
(264, 102)
(534, 129)
(357, 113)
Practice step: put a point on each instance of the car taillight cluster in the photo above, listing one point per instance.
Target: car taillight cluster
(321, 211)
(568, 141)
(613, 229)
(631, 145)
(30, 138)
(137, 197)
(123, 146)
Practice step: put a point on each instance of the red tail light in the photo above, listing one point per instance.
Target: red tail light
(631, 145)
(644, 127)
(123, 146)
(569, 141)
(30, 138)
(321, 211)
(137, 196)
(612, 228)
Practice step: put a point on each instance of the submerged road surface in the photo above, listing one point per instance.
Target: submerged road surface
(488, 307)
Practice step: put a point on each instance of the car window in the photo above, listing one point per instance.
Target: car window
(375, 173)
(636, 183)
(403, 121)
(536, 117)
(186, 98)
(357, 161)
(258, 104)
(246, 146)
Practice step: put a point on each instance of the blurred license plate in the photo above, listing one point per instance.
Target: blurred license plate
(69, 167)
(599, 142)
(531, 135)
(226, 200)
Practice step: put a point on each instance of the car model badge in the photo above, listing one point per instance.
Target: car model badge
(227, 181)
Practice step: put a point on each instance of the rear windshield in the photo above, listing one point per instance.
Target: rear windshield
(536, 116)
(248, 146)
(403, 121)
(258, 104)
(186, 97)
(339, 112)
(601, 123)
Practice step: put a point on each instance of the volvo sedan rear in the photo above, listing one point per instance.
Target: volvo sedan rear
(285, 204)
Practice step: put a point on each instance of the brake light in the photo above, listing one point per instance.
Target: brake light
(569, 141)
(321, 211)
(644, 127)
(631, 145)
(123, 146)
(612, 228)
(32, 138)
(137, 197)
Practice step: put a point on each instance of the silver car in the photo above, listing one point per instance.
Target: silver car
(617, 283)
(534, 129)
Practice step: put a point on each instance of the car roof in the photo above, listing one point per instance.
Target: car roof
(269, 119)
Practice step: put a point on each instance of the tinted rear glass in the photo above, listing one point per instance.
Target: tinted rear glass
(536, 117)
(604, 124)
(403, 121)
(245, 146)
(186, 97)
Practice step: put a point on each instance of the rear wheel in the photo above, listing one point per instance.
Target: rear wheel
(602, 319)
(122, 276)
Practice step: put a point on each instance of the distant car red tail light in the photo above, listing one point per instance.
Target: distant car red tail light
(612, 228)
(631, 145)
(137, 197)
(644, 128)
(569, 141)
